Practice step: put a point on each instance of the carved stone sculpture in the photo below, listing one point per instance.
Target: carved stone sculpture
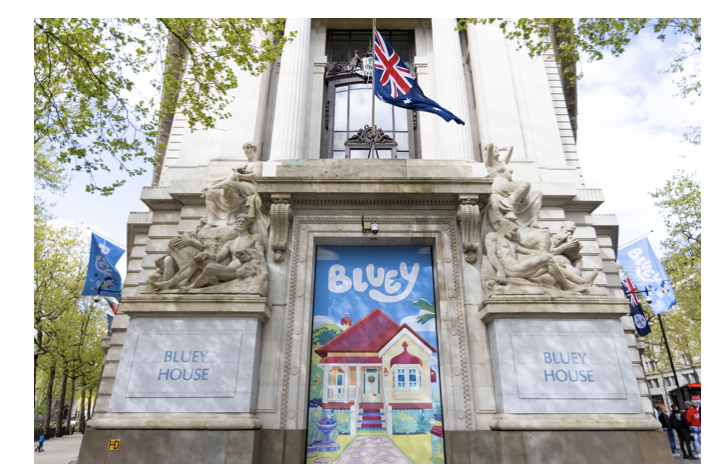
(365, 135)
(246, 272)
(522, 260)
(225, 253)
(509, 196)
(236, 194)
(521, 257)
(355, 63)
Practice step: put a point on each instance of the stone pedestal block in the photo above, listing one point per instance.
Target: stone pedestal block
(554, 356)
(188, 362)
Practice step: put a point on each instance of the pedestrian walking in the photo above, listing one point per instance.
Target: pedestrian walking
(666, 425)
(679, 422)
(693, 416)
(40, 447)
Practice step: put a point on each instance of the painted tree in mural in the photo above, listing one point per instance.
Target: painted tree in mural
(320, 336)
(324, 333)
(427, 311)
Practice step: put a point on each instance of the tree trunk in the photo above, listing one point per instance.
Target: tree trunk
(48, 406)
(88, 408)
(82, 416)
(36, 357)
(71, 403)
(62, 399)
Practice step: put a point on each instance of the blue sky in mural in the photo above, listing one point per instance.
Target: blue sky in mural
(357, 280)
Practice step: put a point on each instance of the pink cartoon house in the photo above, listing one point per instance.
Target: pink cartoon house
(373, 367)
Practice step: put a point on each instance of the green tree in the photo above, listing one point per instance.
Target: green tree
(85, 72)
(60, 259)
(680, 204)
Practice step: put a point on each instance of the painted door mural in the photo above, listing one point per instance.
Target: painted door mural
(374, 393)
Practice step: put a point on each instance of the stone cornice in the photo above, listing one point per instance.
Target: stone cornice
(539, 421)
(178, 421)
(197, 305)
(547, 307)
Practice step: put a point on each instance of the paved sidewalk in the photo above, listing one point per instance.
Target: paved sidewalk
(682, 460)
(59, 450)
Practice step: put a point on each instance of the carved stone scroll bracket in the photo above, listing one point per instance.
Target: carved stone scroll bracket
(468, 218)
(280, 217)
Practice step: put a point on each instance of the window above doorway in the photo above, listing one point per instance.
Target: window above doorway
(346, 132)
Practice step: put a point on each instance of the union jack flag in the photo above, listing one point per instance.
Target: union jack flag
(635, 308)
(630, 291)
(396, 85)
(395, 72)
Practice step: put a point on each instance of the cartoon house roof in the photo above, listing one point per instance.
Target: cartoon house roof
(369, 335)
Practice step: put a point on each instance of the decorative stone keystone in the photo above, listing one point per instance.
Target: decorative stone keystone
(281, 216)
(468, 217)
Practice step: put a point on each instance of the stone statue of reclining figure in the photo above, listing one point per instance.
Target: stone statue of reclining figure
(244, 250)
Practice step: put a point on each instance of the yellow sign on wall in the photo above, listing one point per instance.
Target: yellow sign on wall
(114, 444)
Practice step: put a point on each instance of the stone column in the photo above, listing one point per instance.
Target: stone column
(455, 140)
(288, 139)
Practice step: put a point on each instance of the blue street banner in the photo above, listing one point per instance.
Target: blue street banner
(102, 277)
(635, 307)
(645, 270)
(395, 84)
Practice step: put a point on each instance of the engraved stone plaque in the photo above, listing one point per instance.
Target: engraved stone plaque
(562, 366)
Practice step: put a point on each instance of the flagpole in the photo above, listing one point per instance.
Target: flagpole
(635, 239)
(373, 91)
(106, 237)
(666, 342)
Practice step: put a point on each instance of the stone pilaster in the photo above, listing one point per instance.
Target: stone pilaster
(455, 140)
(288, 139)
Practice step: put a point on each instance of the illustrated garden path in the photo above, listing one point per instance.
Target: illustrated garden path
(372, 450)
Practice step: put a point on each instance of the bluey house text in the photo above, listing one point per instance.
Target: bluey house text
(178, 373)
(566, 375)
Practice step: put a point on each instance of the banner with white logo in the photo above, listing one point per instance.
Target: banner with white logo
(647, 273)
(102, 277)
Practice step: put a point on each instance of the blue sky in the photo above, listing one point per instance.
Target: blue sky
(629, 141)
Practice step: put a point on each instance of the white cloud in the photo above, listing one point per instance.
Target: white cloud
(322, 320)
(424, 251)
(433, 361)
(630, 126)
(326, 255)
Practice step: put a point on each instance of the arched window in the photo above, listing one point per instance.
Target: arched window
(347, 102)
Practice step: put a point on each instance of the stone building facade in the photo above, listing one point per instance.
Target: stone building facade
(661, 383)
(436, 192)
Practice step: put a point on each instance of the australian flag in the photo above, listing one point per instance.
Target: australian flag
(395, 85)
(635, 308)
